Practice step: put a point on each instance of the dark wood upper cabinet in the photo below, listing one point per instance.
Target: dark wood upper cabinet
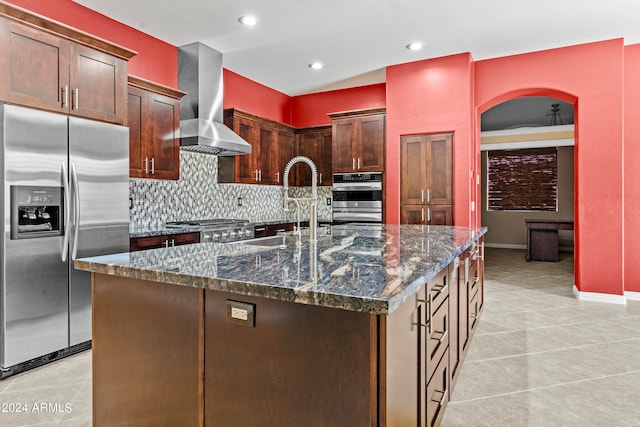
(344, 145)
(272, 146)
(49, 66)
(286, 152)
(154, 124)
(38, 83)
(426, 179)
(314, 143)
(358, 141)
(96, 82)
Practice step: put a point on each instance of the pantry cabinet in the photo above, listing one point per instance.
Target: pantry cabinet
(358, 141)
(271, 145)
(154, 123)
(426, 179)
(314, 143)
(60, 69)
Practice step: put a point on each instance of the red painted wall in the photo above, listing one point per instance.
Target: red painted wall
(255, 98)
(311, 110)
(631, 169)
(432, 96)
(156, 60)
(592, 74)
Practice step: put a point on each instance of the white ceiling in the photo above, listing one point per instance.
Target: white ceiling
(357, 39)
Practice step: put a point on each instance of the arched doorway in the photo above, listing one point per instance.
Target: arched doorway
(532, 131)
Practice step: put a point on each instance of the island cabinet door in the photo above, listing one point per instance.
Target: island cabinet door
(147, 354)
(281, 364)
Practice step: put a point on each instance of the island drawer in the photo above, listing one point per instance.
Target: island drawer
(474, 278)
(475, 306)
(438, 290)
(437, 341)
(438, 392)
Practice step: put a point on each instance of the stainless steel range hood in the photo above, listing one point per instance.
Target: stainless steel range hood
(201, 121)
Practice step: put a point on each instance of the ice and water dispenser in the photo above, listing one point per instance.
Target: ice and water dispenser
(36, 212)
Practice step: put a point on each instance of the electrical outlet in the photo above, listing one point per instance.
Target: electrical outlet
(239, 201)
(328, 201)
(241, 313)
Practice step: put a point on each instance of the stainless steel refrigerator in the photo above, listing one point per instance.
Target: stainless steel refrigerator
(65, 195)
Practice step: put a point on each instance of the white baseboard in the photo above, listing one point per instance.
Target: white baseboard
(514, 246)
(504, 246)
(635, 296)
(599, 297)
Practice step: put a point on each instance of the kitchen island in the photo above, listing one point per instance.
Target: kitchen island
(247, 334)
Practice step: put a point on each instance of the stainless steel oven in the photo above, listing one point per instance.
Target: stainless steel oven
(357, 197)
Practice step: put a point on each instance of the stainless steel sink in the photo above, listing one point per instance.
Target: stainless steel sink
(271, 241)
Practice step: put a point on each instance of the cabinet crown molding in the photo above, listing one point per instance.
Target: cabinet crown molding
(354, 113)
(155, 87)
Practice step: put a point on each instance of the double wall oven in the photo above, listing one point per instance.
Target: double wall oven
(357, 197)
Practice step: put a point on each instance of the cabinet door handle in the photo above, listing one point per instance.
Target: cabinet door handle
(358, 163)
(421, 214)
(260, 175)
(77, 99)
(428, 214)
(442, 398)
(320, 182)
(422, 195)
(153, 166)
(353, 163)
(443, 336)
(466, 270)
(260, 229)
(65, 96)
(430, 314)
(173, 242)
(256, 175)
(74, 99)
(428, 195)
(278, 177)
(146, 165)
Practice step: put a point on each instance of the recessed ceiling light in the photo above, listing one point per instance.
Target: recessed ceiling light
(415, 46)
(248, 20)
(316, 65)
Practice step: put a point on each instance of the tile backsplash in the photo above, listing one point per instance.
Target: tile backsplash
(197, 195)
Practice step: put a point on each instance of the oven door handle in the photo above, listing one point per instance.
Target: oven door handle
(67, 224)
(357, 187)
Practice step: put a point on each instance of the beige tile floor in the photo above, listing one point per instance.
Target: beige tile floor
(542, 358)
(57, 394)
(538, 358)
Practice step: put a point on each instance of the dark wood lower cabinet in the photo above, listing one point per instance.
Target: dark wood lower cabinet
(264, 230)
(426, 214)
(163, 241)
(168, 355)
(297, 365)
(147, 360)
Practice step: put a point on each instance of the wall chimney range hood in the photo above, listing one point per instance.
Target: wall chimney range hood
(201, 120)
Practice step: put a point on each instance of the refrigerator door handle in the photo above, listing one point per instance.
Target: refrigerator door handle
(76, 197)
(67, 224)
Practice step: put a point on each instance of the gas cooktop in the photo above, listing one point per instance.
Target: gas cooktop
(206, 222)
(218, 229)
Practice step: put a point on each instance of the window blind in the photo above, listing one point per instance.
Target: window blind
(522, 180)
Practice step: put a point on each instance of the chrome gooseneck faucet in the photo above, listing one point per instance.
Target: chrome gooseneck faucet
(313, 211)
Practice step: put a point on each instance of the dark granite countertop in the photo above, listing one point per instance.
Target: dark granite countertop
(165, 231)
(366, 268)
